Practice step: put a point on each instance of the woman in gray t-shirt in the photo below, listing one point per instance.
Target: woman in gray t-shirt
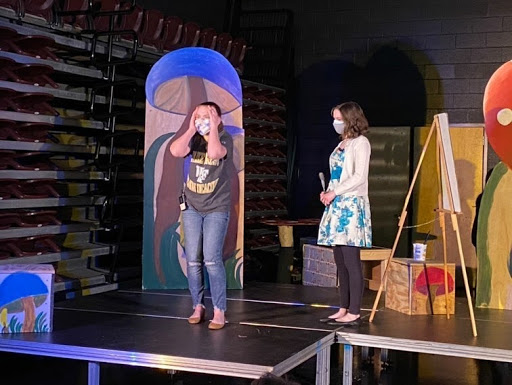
(206, 204)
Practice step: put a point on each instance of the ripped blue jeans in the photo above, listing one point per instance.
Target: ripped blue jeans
(204, 241)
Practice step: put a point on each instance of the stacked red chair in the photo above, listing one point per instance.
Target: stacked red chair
(6, 94)
(224, 42)
(102, 23)
(40, 8)
(5, 127)
(27, 102)
(6, 36)
(28, 189)
(25, 161)
(6, 157)
(38, 218)
(80, 21)
(152, 28)
(189, 37)
(34, 45)
(28, 246)
(267, 96)
(16, 5)
(173, 30)
(24, 132)
(208, 38)
(132, 21)
(6, 65)
(34, 74)
(28, 219)
(8, 220)
(237, 53)
(250, 111)
(30, 45)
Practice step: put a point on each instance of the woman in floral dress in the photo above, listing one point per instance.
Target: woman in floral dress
(346, 222)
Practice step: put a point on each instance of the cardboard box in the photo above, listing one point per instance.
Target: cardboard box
(319, 268)
(417, 287)
(26, 298)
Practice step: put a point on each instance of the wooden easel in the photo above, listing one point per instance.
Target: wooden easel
(447, 205)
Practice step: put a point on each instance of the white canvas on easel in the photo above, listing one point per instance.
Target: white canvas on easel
(444, 132)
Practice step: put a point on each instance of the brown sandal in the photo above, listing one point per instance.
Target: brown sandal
(215, 326)
(196, 320)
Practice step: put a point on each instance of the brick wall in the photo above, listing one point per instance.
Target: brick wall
(455, 45)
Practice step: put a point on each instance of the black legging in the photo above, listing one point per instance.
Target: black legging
(350, 274)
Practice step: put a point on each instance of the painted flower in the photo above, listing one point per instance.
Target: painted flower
(345, 216)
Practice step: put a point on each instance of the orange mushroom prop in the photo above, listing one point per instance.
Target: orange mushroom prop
(498, 112)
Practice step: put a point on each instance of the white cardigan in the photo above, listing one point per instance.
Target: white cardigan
(354, 177)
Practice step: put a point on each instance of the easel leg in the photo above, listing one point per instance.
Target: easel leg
(442, 224)
(384, 276)
(455, 224)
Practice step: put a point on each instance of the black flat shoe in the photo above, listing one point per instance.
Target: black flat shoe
(355, 322)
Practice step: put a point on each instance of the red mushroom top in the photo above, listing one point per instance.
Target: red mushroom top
(433, 277)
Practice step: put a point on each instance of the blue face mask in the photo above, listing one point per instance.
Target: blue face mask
(339, 126)
(202, 126)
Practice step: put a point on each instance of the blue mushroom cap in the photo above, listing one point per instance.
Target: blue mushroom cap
(19, 285)
(198, 62)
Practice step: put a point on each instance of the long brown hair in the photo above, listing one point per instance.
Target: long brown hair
(214, 105)
(353, 116)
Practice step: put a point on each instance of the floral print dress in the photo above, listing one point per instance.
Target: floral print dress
(347, 220)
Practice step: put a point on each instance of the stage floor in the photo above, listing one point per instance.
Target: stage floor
(272, 327)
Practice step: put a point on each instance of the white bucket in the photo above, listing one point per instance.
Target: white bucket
(419, 251)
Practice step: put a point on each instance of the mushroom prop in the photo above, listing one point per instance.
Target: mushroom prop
(177, 82)
(23, 292)
(498, 112)
(430, 282)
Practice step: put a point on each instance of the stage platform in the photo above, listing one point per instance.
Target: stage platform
(272, 328)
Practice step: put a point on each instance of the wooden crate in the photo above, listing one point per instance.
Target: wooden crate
(319, 268)
(417, 287)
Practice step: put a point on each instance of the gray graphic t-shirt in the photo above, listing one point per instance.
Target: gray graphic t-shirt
(208, 184)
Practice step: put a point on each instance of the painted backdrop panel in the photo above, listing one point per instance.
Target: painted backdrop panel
(177, 83)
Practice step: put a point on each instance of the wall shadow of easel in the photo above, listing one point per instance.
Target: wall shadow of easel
(448, 203)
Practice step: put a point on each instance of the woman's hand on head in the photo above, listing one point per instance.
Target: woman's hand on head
(215, 119)
(193, 117)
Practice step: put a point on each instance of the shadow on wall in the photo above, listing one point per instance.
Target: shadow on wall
(395, 92)
(391, 91)
(317, 89)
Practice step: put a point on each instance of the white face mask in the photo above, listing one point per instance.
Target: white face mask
(339, 126)
(202, 126)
